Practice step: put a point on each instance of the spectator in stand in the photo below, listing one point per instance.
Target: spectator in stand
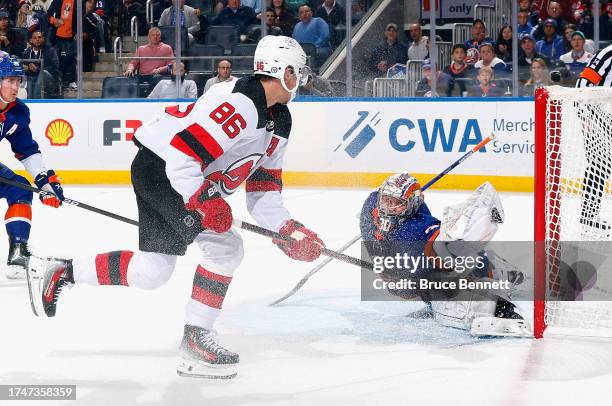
(503, 45)
(224, 74)
(419, 48)
(533, 16)
(528, 51)
(423, 88)
(524, 26)
(155, 47)
(236, 15)
(488, 58)
(458, 69)
(254, 32)
(5, 42)
(334, 15)
(26, 18)
(62, 15)
(388, 53)
(284, 19)
(313, 30)
(576, 59)
(90, 32)
(539, 77)
(166, 88)
(479, 36)
(555, 13)
(584, 21)
(188, 16)
(485, 86)
(332, 12)
(104, 32)
(39, 50)
(551, 46)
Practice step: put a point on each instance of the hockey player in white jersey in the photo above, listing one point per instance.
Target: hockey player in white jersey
(188, 161)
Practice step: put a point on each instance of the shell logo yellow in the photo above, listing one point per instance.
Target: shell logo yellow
(59, 132)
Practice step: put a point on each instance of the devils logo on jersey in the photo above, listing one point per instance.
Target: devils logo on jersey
(236, 173)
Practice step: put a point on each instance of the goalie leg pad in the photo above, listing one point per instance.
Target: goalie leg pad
(460, 314)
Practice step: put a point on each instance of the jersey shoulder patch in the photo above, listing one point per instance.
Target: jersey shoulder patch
(251, 87)
(279, 120)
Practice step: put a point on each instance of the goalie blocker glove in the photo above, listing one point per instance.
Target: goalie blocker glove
(306, 245)
(49, 182)
(214, 212)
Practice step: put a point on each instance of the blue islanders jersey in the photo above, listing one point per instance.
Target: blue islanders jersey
(418, 232)
(15, 127)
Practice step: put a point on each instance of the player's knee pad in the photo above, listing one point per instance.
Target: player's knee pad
(221, 253)
(150, 270)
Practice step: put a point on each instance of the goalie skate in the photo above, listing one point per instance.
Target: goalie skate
(498, 327)
(203, 357)
(46, 280)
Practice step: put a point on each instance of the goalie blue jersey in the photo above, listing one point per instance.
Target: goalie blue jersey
(410, 235)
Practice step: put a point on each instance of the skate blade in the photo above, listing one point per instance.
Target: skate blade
(196, 369)
(34, 276)
(15, 272)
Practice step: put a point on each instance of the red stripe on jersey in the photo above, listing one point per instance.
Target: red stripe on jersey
(124, 261)
(205, 297)
(179, 144)
(213, 276)
(102, 269)
(206, 140)
(265, 180)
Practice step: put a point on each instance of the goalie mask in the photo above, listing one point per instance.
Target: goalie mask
(400, 196)
(276, 54)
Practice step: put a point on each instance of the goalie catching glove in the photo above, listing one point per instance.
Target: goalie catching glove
(306, 245)
(215, 213)
(49, 182)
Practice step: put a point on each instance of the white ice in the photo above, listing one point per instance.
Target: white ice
(322, 347)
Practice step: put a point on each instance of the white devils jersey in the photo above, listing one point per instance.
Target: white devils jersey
(228, 136)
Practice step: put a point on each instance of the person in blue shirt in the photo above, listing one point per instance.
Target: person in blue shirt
(313, 30)
(551, 46)
(15, 127)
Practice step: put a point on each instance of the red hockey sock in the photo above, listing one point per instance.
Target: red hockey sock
(111, 267)
(209, 288)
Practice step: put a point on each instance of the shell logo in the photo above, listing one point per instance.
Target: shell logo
(59, 132)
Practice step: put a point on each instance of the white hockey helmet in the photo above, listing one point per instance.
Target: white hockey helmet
(274, 54)
(400, 195)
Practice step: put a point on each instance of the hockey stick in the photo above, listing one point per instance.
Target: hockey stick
(356, 238)
(238, 223)
(69, 201)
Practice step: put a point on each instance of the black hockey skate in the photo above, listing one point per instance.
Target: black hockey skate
(46, 280)
(203, 357)
(17, 261)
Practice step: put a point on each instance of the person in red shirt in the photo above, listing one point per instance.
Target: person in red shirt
(155, 47)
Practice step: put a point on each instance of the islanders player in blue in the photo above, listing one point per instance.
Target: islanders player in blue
(15, 128)
(396, 213)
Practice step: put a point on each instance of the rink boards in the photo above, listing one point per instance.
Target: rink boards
(333, 142)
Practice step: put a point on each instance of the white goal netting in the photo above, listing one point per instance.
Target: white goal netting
(578, 211)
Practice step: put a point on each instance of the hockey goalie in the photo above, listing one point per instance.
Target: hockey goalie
(397, 213)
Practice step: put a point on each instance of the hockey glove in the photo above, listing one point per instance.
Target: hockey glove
(49, 182)
(307, 245)
(215, 213)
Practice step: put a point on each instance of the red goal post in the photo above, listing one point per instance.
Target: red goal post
(573, 135)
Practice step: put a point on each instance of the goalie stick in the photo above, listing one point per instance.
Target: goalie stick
(356, 238)
(238, 223)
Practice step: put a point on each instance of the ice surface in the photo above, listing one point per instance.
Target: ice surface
(321, 347)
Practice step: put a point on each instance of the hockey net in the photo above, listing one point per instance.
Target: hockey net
(573, 210)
